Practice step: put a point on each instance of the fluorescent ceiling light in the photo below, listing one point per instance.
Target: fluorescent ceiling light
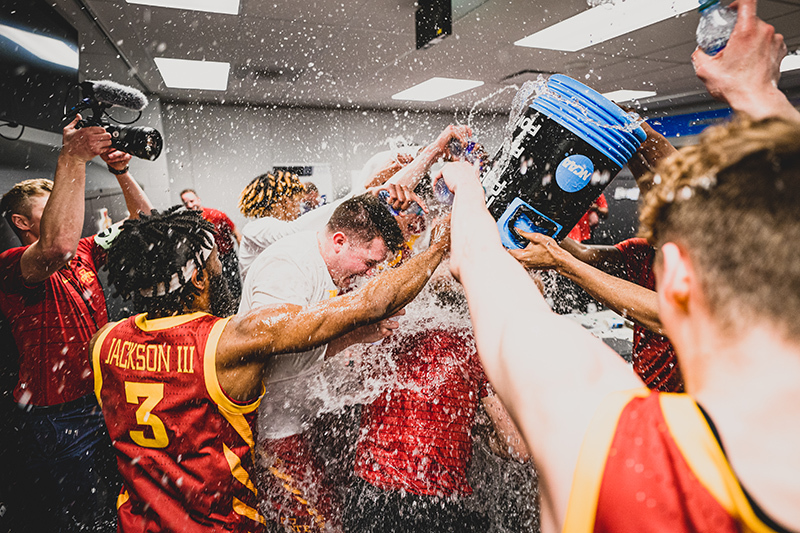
(226, 7)
(605, 22)
(791, 62)
(624, 95)
(436, 89)
(187, 74)
(45, 48)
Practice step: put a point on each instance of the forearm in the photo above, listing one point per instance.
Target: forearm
(654, 149)
(622, 296)
(765, 104)
(135, 199)
(411, 174)
(62, 219)
(394, 288)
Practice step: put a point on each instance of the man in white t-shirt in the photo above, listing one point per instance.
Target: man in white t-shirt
(303, 269)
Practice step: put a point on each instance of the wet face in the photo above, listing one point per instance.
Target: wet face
(191, 201)
(354, 259)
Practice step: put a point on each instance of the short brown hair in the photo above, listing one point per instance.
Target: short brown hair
(16, 201)
(732, 203)
(364, 218)
(184, 191)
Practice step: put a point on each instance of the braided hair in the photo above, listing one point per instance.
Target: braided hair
(154, 251)
(261, 194)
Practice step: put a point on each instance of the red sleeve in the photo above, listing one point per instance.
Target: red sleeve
(90, 251)
(601, 201)
(638, 256)
(10, 270)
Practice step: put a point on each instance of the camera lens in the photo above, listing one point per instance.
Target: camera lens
(140, 141)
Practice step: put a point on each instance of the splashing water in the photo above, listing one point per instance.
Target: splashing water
(505, 491)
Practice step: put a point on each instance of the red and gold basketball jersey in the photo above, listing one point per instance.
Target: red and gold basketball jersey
(184, 449)
(650, 462)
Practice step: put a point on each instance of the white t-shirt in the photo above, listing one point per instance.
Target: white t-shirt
(261, 233)
(290, 271)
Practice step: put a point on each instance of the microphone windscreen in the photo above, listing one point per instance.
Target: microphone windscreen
(109, 92)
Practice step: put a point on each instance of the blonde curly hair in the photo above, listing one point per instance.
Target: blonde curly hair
(732, 202)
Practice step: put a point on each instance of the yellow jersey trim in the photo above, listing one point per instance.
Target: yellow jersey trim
(122, 498)
(241, 508)
(168, 322)
(237, 470)
(704, 456)
(210, 373)
(596, 447)
(98, 376)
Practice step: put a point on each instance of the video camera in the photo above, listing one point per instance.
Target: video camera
(98, 96)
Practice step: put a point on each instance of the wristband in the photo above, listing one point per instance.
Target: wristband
(117, 172)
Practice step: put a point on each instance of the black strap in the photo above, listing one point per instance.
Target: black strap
(759, 512)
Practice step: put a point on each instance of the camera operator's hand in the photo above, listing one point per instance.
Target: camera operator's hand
(85, 143)
(116, 159)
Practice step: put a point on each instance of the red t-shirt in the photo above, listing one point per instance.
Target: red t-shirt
(653, 356)
(184, 448)
(582, 230)
(224, 225)
(417, 436)
(52, 323)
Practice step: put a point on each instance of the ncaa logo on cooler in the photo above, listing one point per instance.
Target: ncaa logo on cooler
(574, 173)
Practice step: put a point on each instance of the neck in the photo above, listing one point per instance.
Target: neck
(28, 238)
(747, 382)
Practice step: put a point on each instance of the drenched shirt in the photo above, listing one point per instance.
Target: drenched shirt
(417, 436)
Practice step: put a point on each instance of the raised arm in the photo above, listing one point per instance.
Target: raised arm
(548, 371)
(250, 339)
(62, 218)
(745, 73)
(624, 297)
(411, 174)
(135, 199)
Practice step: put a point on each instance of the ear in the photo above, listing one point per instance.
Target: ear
(674, 285)
(21, 222)
(199, 279)
(339, 239)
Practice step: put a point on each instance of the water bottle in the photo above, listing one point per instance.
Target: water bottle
(465, 153)
(715, 27)
(413, 209)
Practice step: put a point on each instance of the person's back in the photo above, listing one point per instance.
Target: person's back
(416, 436)
(161, 373)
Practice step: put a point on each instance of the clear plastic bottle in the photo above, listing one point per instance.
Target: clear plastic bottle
(715, 27)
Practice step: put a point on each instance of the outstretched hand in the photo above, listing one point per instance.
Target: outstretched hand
(747, 70)
(400, 196)
(542, 252)
(84, 143)
(452, 132)
(456, 174)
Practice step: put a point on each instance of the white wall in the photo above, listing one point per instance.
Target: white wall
(217, 150)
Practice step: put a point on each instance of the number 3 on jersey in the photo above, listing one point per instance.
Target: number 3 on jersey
(152, 394)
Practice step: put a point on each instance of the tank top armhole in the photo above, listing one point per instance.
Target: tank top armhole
(213, 386)
(588, 476)
(98, 375)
